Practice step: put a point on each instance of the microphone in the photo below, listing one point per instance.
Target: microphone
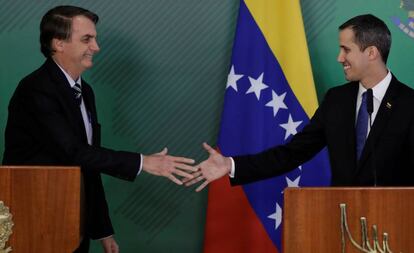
(370, 102)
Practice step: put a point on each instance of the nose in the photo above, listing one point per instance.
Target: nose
(340, 57)
(95, 46)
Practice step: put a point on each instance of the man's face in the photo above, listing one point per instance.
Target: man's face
(78, 51)
(353, 60)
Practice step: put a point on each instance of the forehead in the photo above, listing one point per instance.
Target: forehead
(346, 35)
(82, 25)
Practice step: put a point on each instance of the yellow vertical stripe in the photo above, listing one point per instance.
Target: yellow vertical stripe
(281, 23)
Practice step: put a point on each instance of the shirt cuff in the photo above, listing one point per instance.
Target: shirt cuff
(100, 239)
(140, 165)
(233, 168)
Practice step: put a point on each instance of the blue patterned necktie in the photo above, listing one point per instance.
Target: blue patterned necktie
(361, 126)
(77, 92)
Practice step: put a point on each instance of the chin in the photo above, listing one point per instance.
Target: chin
(88, 65)
(349, 78)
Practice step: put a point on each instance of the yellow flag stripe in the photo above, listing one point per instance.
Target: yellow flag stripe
(281, 23)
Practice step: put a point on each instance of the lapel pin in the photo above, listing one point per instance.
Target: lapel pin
(389, 105)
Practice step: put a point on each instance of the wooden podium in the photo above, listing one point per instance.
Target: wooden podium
(312, 218)
(45, 204)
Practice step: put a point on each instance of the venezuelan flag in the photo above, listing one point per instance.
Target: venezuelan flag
(269, 97)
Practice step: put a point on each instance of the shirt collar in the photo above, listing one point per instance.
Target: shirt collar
(378, 91)
(69, 78)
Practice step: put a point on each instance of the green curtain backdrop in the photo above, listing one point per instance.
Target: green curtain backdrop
(159, 81)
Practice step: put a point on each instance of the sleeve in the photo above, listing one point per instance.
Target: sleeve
(281, 159)
(98, 222)
(58, 123)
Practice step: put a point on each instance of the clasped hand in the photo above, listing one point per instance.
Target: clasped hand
(162, 164)
(215, 167)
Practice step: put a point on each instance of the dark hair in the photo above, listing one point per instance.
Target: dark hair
(370, 31)
(57, 24)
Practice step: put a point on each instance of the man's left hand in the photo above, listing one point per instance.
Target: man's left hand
(109, 245)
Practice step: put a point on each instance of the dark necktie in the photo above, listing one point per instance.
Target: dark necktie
(77, 92)
(361, 126)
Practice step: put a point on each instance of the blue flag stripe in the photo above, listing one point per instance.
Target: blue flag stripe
(253, 120)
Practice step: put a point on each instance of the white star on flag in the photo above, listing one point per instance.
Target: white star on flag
(277, 216)
(290, 183)
(257, 86)
(232, 79)
(291, 126)
(294, 183)
(277, 102)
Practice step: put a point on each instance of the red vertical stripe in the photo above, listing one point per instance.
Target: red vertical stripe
(232, 226)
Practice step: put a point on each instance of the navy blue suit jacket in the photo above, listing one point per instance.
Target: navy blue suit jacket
(388, 155)
(45, 127)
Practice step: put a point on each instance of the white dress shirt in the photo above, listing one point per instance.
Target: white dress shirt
(85, 114)
(378, 92)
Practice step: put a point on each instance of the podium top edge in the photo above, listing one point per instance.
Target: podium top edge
(39, 167)
(359, 188)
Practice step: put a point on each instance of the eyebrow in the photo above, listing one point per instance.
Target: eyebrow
(88, 36)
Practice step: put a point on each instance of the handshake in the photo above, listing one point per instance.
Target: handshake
(162, 164)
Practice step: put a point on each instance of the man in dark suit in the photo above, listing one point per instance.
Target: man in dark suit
(53, 121)
(359, 155)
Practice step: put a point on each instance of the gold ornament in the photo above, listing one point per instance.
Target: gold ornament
(6, 225)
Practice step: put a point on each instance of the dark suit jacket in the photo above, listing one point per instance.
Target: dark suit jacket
(388, 155)
(45, 127)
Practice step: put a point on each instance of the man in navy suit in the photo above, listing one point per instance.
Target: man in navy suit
(53, 121)
(386, 156)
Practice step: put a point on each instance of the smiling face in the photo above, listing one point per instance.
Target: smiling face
(75, 55)
(354, 61)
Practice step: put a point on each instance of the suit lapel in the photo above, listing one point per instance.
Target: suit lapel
(89, 101)
(349, 128)
(68, 100)
(383, 115)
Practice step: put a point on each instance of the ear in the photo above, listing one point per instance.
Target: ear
(373, 53)
(57, 45)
